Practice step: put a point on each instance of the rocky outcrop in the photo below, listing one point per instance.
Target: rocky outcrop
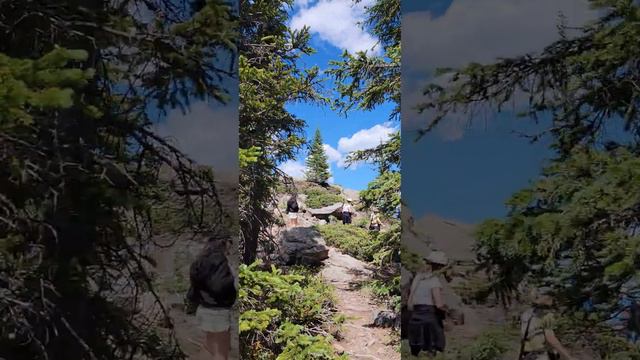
(303, 245)
(327, 211)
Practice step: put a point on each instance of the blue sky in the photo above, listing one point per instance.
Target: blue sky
(467, 168)
(358, 130)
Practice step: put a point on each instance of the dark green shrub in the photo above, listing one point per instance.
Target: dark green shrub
(284, 316)
(318, 196)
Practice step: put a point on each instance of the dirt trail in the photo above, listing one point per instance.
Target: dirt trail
(359, 340)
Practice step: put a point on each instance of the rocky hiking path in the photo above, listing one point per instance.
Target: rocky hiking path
(359, 340)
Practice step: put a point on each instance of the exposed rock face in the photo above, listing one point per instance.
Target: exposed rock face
(303, 245)
(325, 212)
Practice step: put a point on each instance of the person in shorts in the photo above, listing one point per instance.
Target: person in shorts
(292, 210)
(213, 291)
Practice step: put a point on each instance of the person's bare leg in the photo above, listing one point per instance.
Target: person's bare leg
(218, 344)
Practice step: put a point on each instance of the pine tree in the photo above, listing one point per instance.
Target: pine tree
(575, 228)
(317, 162)
(269, 53)
(81, 88)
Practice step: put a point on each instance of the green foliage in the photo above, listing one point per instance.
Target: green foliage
(249, 156)
(386, 155)
(595, 336)
(45, 84)
(284, 315)
(410, 260)
(366, 81)
(318, 196)
(582, 210)
(491, 345)
(387, 289)
(383, 193)
(317, 163)
(380, 248)
(269, 54)
(594, 63)
(80, 165)
(353, 240)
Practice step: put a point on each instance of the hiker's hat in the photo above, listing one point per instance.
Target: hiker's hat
(349, 200)
(437, 257)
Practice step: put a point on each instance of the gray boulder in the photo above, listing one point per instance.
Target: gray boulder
(325, 212)
(385, 319)
(303, 245)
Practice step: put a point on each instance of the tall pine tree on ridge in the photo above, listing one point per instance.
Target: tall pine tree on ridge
(317, 162)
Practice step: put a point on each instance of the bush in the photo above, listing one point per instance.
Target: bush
(381, 249)
(318, 196)
(387, 290)
(595, 336)
(284, 316)
(352, 240)
(491, 345)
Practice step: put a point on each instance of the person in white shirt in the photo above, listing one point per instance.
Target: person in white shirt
(347, 212)
(426, 327)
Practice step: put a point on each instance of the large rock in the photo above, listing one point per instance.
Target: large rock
(325, 212)
(303, 245)
(386, 319)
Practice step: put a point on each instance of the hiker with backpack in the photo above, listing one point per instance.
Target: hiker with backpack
(538, 340)
(347, 212)
(292, 210)
(213, 292)
(427, 307)
(374, 221)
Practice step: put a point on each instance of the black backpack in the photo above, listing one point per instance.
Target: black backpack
(212, 282)
(292, 205)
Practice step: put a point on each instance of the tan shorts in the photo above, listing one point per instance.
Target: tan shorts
(213, 320)
(293, 216)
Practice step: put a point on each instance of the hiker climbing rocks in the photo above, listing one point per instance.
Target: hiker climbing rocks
(427, 307)
(538, 340)
(292, 210)
(347, 212)
(374, 221)
(213, 291)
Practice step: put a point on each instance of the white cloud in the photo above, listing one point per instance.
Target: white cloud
(366, 138)
(208, 135)
(293, 168)
(483, 30)
(336, 22)
(474, 31)
(361, 140)
(333, 155)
